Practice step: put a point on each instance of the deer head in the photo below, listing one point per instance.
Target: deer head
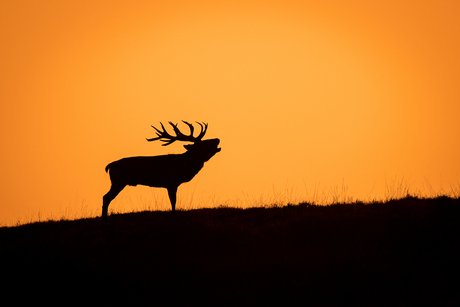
(205, 149)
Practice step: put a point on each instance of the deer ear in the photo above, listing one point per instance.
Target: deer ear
(188, 146)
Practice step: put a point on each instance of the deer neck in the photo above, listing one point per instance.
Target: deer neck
(193, 159)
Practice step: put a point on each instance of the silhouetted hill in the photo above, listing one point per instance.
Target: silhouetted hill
(402, 252)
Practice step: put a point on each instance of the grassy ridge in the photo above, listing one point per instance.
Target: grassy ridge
(397, 252)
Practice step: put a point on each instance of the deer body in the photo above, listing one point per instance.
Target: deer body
(157, 171)
(167, 171)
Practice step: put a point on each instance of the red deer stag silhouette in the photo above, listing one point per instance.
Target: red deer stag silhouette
(167, 171)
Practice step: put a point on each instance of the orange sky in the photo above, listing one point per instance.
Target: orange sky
(309, 100)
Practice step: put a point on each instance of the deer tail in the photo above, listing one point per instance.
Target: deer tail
(108, 167)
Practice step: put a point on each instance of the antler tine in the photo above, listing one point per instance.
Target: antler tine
(182, 137)
(190, 126)
(168, 139)
(160, 133)
(203, 131)
(179, 134)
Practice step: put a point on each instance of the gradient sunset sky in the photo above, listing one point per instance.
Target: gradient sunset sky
(311, 100)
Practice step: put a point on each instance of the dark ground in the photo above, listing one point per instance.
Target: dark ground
(399, 253)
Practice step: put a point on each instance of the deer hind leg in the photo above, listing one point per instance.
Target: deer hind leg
(172, 191)
(111, 194)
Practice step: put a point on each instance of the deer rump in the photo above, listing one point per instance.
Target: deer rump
(154, 171)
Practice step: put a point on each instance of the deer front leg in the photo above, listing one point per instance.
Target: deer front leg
(172, 191)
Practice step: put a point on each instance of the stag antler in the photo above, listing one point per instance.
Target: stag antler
(164, 136)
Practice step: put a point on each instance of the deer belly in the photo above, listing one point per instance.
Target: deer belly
(153, 180)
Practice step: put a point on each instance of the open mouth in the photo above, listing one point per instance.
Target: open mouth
(217, 144)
